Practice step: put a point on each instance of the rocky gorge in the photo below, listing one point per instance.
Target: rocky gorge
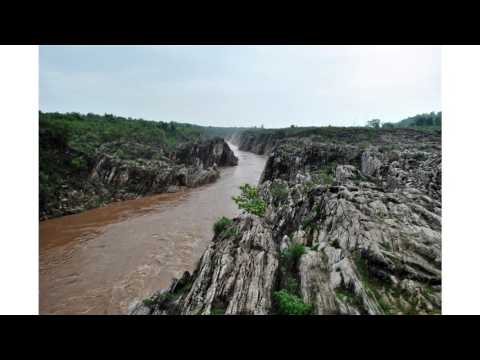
(350, 223)
(122, 170)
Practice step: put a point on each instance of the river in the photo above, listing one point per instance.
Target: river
(101, 260)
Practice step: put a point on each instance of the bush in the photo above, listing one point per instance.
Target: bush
(148, 302)
(221, 225)
(279, 192)
(291, 256)
(250, 201)
(324, 176)
(288, 304)
(78, 164)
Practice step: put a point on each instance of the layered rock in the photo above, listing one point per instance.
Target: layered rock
(367, 220)
(126, 170)
(254, 142)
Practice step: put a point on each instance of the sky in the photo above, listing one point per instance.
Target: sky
(273, 86)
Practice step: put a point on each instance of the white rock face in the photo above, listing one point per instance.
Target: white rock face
(368, 243)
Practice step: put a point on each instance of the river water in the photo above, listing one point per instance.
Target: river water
(101, 260)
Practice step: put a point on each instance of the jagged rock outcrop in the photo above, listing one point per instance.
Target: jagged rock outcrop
(206, 154)
(255, 143)
(126, 170)
(348, 229)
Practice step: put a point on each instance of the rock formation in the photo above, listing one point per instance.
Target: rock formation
(350, 228)
(126, 170)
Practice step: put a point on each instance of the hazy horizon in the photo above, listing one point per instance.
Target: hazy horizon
(243, 86)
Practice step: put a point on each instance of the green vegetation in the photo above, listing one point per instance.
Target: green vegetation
(288, 304)
(148, 302)
(79, 163)
(311, 219)
(291, 255)
(352, 134)
(279, 192)
(231, 231)
(250, 201)
(376, 288)
(431, 120)
(221, 225)
(86, 132)
(287, 300)
(69, 143)
(323, 176)
(217, 311)
(224, 226)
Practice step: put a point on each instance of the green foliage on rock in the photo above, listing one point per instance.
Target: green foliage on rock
(289, 304)
(217, 311)
(291, 256)
(279, 192)
(250, 201)
(221, 225)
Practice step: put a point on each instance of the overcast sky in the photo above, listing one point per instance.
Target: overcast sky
(243, 85)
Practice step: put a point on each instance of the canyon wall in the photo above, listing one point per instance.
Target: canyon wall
(352, 225)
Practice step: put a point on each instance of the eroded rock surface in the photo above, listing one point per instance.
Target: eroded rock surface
(366, 218)
(126, 170)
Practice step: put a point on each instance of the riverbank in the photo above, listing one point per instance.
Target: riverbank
(343, 222)
(101, 260)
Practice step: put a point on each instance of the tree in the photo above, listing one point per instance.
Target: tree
(250, 200)
(387, 125)
(374, 123)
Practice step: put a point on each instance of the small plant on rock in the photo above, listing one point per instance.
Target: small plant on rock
(291, 256)
(250, 201)
(221, 225)
(148, 302)
(279, 192)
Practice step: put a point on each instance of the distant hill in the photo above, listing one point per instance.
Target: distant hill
(432, 119)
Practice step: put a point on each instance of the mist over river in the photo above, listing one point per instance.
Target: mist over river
(101, 260)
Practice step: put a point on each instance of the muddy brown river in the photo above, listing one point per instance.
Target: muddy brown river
(101, 260)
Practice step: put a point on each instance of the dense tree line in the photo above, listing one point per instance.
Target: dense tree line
(69, 141)
(86, 132)
(433, 119)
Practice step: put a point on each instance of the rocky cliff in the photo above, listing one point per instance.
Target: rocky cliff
(126, 170)
(349, 228)
(255, 142)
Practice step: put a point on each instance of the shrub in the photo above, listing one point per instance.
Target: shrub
(279, 192)
(78, 164)
(288, 304)
(217, 311)
(293, 254)
(231, 231)
(250, 201)
(148, 302)
(324, 176)
(221, 225)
